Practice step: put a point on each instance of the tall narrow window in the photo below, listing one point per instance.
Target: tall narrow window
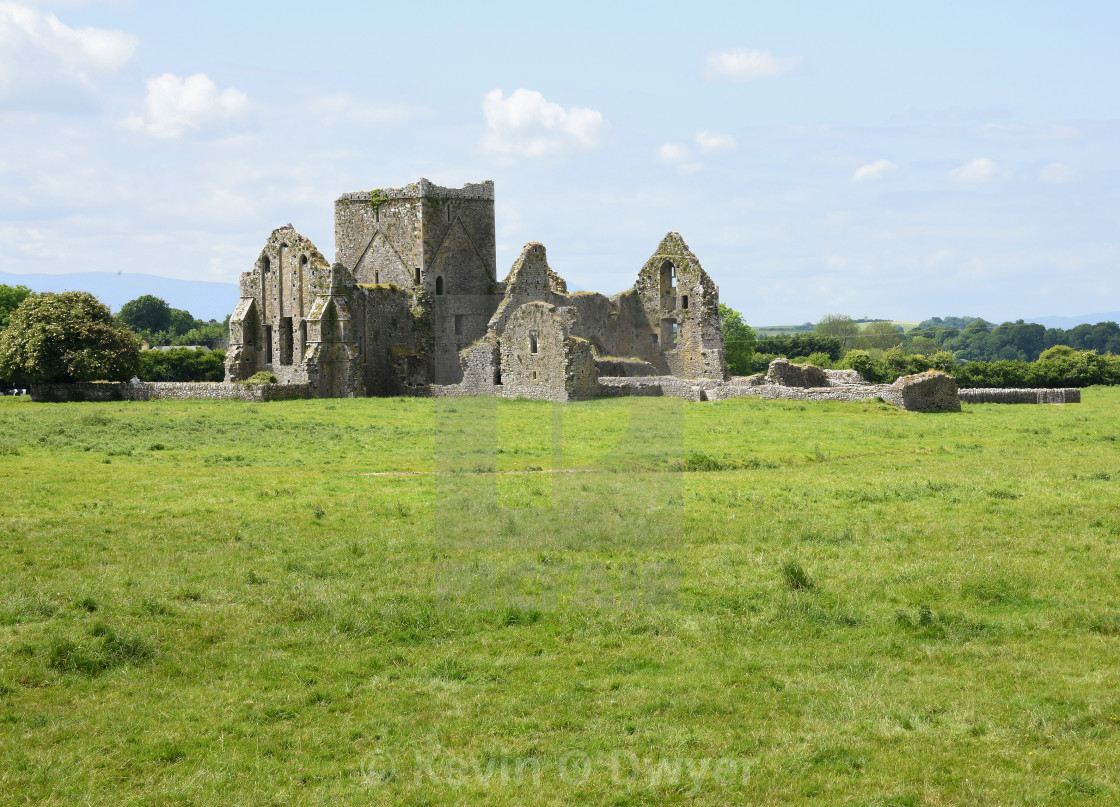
(268, 344)
(300, 280)
(532, 341)
(303, 340)
(266, 281)
(417, 275)
(439, 284)
(684, 302)
(668, 274)
(377, 215)
(285, 340)
(376, 277)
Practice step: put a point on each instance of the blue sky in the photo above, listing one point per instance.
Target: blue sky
(880, 159)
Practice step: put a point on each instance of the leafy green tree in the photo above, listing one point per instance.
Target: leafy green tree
(738, 340)
(881, 335)
(146, 314)
(862, 363)
(66, 337)
(182, 364)
(799, 344)
(10, 298)
(181, 321)
(944, 361)
(839, 326)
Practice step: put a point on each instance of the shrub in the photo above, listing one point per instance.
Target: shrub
(862, 363)
(182, 364)
(263, 377)
(800, 344)
(944, 361)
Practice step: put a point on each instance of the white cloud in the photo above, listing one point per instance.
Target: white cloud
(874, 171)
(747, 65)
(674, 153)
(526, 124)
(679, 155)
(1058, 174)
(714, 141)
(176, 106)
(977, 172)
(38, 51)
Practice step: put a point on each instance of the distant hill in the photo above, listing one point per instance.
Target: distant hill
(204, 299)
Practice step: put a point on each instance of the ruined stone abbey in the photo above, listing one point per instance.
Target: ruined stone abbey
(413, 304)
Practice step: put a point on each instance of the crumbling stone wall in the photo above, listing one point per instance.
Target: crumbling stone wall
(167, 390)
(268, 327)
(671, 314)
(784, 374)
(839, 378)
(668, 320)
(1028, 396)
(482, 367)
(931, 391)
(393, 341)
(627, 368)
(533, 352)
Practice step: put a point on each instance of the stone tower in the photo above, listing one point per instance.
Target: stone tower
(439, 245)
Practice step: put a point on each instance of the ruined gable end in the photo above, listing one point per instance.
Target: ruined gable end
(268, 329)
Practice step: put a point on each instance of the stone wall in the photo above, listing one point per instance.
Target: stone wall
(268, 326)
(931, 391)
(784, 374)
(671, 315)
(436, 243)
(839, 378)
(533, 353)
(630, 368)
(173, 390)
(1029, 396)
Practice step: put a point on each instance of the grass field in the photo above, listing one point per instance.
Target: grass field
(643, 601)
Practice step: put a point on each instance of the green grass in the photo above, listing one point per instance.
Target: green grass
(386, 602)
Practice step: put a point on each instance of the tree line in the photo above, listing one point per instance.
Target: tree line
(72, 336)
(976, 353)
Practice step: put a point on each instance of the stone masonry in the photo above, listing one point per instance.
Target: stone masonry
(412, 305)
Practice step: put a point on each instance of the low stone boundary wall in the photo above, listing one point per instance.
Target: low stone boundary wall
(628, 368)
(173, 390)
(1027, 396)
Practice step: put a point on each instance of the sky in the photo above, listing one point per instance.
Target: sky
(895, 160)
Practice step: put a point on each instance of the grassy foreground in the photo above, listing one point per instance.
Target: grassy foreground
(395, 602)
